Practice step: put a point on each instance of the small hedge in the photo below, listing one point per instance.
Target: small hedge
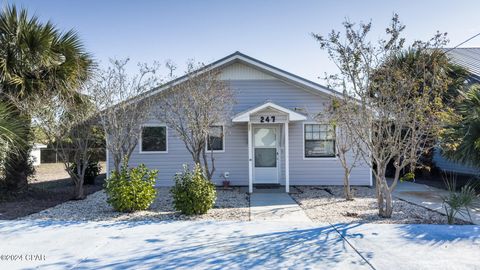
(193, 193)
(131, 189)
(92, 171)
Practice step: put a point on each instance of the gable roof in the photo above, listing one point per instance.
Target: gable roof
(245, 116)
(468, 58)
(262, 66)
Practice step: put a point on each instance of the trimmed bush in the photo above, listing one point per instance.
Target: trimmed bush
(92, 171)
(131, 189)
(193, 193)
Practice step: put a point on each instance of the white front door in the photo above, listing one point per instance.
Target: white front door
(265, 155)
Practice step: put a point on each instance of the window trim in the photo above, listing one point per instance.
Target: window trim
(140, 139)
(335, 157)
(223, 140)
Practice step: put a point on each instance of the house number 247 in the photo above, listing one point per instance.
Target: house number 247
(267, 119)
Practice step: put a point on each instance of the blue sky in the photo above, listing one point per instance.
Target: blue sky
(277, 32)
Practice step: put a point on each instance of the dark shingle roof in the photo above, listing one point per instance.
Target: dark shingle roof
(468, 58)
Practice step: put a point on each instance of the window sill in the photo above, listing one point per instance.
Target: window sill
(320, 158)
(215, 151)
(153, 152)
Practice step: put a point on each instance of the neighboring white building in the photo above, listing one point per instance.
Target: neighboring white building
(35, 153)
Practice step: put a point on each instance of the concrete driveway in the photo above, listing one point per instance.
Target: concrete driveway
(235, 245)
(431, 198)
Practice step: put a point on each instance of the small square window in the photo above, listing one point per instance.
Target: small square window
(154, 139)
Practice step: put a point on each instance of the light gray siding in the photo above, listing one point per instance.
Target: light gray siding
(450, 166)
(234, 159)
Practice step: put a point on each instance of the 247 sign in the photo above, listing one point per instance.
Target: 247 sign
(267, 119)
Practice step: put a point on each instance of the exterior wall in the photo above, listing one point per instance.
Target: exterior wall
(35, 156)
(240, 71)
(250, 93)
(35, 153)
(231, 160)
(451, 166)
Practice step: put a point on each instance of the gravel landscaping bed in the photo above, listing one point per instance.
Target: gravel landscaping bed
(230, 205)
(49, 187)
(327, 204)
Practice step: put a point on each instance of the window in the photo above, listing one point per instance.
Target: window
(319, 140)
(215, 138)
(154, 139)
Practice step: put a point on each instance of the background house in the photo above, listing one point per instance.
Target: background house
(468, 58)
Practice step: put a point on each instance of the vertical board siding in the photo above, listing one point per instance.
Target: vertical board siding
(234, 159)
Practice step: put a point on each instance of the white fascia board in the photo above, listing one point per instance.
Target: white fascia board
(292, 116)
(269, 69)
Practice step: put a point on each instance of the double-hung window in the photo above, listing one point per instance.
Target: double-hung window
(319, 140)
(153, 139)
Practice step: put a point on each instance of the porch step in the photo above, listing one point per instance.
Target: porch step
(266, 186)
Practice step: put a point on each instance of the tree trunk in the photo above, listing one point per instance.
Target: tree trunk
(16, 174)
(79, 193)
(116, 163)
(346, 186)
(385, 207)
(388, 203)
(209, 169)
(381, 204)
(18, 166)
(78, 178)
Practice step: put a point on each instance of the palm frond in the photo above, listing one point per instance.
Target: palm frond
(12, 129)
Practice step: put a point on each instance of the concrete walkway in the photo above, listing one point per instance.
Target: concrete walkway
(429, 197)
(39, 244)
(278, 207)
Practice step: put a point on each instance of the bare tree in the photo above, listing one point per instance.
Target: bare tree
(123, 106)
(349, 154)
(193, 106)
(346, 147)
(68, 126)
(391, 100)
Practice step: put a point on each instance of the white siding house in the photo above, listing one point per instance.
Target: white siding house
(272, 138)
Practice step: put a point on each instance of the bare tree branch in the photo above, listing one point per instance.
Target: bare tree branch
(192, 107)
(122, 108)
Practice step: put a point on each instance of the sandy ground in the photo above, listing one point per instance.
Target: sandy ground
(327, 205)
(49, 187)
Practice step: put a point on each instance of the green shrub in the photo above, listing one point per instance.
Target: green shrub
(410, 176)
(131, 189)
(193, 193)
(92, 171)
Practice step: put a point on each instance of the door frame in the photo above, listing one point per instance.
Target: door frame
(278, 134)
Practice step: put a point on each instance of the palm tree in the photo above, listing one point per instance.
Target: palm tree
(11, 132)
(461, 139)
(36, 61)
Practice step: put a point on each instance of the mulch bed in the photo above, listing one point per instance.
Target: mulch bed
(41, 195)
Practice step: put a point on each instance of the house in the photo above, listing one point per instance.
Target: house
(468, 58)
(273, 137)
